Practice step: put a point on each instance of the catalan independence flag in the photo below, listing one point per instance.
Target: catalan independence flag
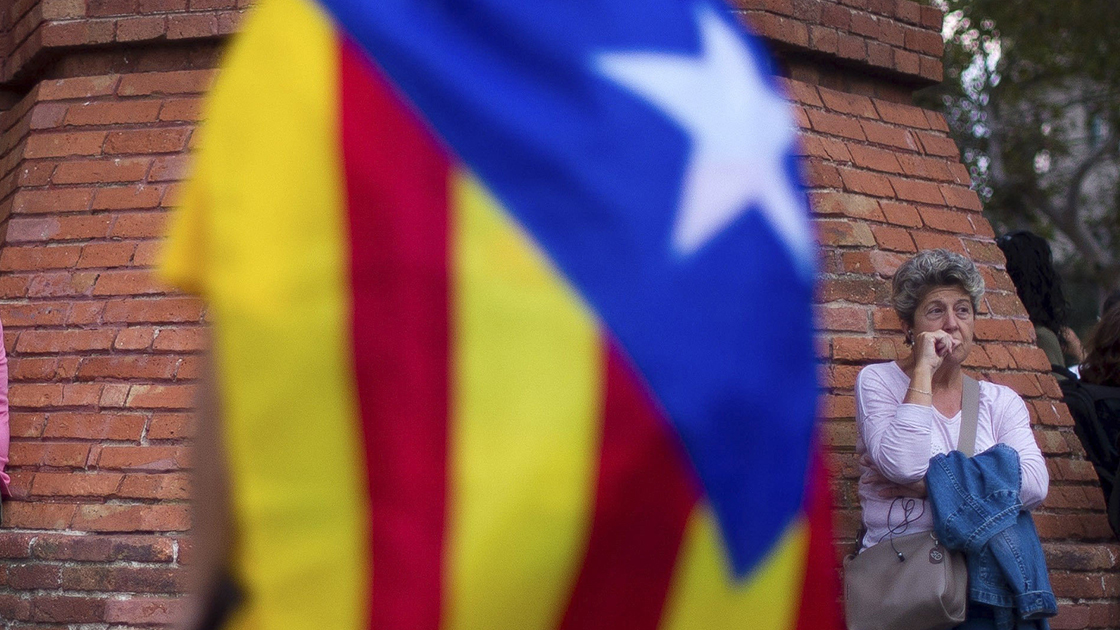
(511, 313)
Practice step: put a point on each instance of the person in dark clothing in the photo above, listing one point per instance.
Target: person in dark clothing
(1031, 267)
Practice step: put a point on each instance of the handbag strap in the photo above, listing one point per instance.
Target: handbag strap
(970, 415)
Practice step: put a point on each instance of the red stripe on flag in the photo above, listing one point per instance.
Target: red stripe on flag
(397, 196)
(645, 495)
(820, 591)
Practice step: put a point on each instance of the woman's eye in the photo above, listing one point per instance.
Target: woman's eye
(935, 311)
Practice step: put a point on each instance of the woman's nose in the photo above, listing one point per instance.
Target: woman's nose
(950, 323)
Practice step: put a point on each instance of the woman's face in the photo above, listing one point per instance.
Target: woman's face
(950, 309)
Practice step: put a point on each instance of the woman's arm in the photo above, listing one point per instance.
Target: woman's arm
(1011, 423)
(897, 436)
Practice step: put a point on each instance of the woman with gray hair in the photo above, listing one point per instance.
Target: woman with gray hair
(909, 410)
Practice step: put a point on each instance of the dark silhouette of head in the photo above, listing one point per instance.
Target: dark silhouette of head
(1031, 267)
(1102, 361)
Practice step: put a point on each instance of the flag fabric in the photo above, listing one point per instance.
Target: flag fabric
(512, 325)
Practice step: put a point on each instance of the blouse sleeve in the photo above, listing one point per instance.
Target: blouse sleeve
(5, 430)
(1012, 426)
(897, 436)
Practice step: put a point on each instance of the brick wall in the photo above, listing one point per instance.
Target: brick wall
(98, 103)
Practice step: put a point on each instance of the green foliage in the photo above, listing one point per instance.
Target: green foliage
(1032, 94)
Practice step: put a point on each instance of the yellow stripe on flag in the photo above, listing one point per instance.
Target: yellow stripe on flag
(704, 597)
(525, 425)
(273, 187)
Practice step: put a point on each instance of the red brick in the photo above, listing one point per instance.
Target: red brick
(61, 284)
(931, 240)
(836, 149)
(934, 144)
(880, 54)
(897, 137)
(37, 173)
(874, 159)
(62, 9)
(161, 396)
(946, 220)
(143, 458)
(162, 6)
(127, 197)
(65, 143)
(906, 62)
(817, 174)
(148, 254)
(85, 313)
(851, 47)
(27, 425)
(192, 26)
(136, 338)
(94, 426)
(838, 317)
(926, 168)
(161, 517)
(138, 282)
(128, 367)
(48, 115)
(139, 225)
(77, 87)
(109, 171)
(865, 183)
(110, 254)
(111, 113)
(165, 140)
(845, 103)
(165, 487)
(823, 39)
(122, 579)
(162, 310)
(916, 190)
(865, 24)
(33, 576)
(180, 339)
(52, 200)
(114, 395)
(961, 197)
(39, 313)
(862, 349)
(102, 8)
(856, 289)
(836, 16)
(804, 93)
(180, 82)
(139, 28)
(36, 395)
(50, 484)
(34, 258)
(170, 426)
(893, 239)
(844, 204)
(145, 611)
(171, 167)
(77, 32)
(38, 515)
(901, 214)
(838, 232)
(57, 341)
(835, 124)
(181, 109)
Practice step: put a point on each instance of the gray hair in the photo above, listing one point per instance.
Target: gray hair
(930, 269)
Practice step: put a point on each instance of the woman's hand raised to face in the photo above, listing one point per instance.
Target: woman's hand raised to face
(932, 347)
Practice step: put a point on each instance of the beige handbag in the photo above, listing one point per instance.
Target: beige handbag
(912, 582)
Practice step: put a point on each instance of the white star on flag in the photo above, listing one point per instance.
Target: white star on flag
(741, 132)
